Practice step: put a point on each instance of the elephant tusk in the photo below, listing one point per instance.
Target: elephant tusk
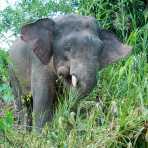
(74, 81)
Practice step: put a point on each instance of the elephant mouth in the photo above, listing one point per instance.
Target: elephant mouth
(70, 80)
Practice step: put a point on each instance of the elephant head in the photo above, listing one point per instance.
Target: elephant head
(77, 45)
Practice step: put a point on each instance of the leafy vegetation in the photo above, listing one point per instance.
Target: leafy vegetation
(115, 114)
(5, 90)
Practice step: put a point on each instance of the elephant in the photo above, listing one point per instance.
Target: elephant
(73, 47)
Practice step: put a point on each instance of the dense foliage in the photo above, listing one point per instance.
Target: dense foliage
(115, 114)
(5, 91)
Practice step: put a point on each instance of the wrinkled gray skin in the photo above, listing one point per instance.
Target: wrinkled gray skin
(68, 45)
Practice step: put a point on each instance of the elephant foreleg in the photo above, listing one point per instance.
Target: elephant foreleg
(43, 88)
(17, 92)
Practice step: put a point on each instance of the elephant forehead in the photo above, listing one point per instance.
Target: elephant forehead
(73, 37)
(78, 43)
(81, 37)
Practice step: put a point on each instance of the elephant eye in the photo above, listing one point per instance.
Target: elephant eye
(67, 46)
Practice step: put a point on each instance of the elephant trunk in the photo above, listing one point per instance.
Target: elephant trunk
(83, 76)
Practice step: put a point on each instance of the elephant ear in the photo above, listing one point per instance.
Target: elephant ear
(39, 36)
(112, 49)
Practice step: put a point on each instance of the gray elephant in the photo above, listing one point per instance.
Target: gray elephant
(70, 46)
